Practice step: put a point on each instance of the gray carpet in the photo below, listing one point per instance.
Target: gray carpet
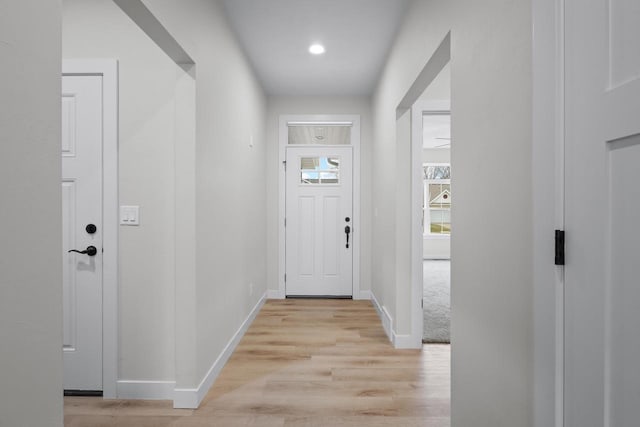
(437, 301)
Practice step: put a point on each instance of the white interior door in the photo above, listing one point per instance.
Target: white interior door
(81, 208)
(319, 194)
(602, 273)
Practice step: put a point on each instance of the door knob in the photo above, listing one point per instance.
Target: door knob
(347, 230)
(91, 251)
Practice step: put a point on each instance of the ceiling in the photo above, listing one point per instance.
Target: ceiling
(436, 131)
(276, 35)
(436, 128)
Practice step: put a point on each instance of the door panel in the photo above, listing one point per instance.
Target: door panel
(306, 231)
(69, 201)
(624, 32)
(602, 205)
(331, 234)
(623, 348)
(82, 205)
(68, 125)
(318, 201)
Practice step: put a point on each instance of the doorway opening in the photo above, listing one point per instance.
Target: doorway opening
(319, 234)
(90, 93)
(427, 100)
(319, 208)
(433, 116)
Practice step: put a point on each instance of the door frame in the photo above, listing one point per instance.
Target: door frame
(108, 70)
(548, 147)
(418, 110)
(284, 120)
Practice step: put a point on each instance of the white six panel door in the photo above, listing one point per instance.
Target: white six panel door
(81, 206)
(319, 196)
(602, 208)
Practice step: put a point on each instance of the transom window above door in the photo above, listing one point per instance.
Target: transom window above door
(319, 134)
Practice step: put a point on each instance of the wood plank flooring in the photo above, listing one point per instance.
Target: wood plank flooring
(310, 363)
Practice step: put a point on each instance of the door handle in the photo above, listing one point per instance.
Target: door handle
(347, 230)
(91, 251)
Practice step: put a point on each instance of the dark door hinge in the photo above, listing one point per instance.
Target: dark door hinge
(559, 247)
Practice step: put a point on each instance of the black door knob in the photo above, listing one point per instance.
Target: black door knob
(91, 228)
(347, 230)
(91, 251)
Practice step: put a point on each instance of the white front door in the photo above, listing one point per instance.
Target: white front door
(82, 231)
(602, 217)
(319, 227)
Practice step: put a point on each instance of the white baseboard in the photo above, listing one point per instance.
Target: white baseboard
(398, 341)
(147, 390)
(190, 398)
(387, 322)
(405, 341)
(275, 294)
(187, 398)
(364, 295)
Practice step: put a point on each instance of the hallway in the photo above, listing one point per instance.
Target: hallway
(304, 362)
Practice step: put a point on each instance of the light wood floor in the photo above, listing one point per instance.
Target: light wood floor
(303, 363)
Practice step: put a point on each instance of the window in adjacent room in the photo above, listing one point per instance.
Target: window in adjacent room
(436, 205)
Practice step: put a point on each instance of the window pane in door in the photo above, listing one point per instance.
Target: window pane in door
(319, 170)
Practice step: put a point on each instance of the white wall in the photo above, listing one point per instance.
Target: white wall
(440, 87)
(230, 187)
(147, 84)
(491, 114)
(30, 215)
(186, 287)
(282, 105)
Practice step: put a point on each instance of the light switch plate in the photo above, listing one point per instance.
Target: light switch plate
(129, 215)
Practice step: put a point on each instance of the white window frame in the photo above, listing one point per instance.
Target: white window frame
(426, 211)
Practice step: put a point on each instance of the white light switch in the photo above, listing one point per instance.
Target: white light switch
(129, 215)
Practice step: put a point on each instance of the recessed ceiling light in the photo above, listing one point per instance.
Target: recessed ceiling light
(316, 49)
